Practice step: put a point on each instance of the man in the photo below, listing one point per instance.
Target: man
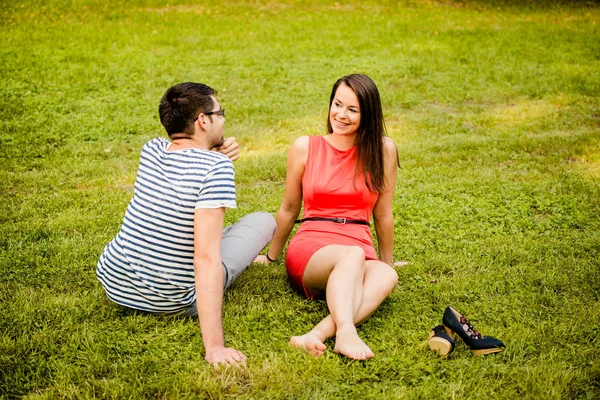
(172, 255)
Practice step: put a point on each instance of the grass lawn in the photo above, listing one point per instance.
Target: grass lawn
(494, 106)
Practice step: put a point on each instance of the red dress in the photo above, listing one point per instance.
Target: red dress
(330, 189)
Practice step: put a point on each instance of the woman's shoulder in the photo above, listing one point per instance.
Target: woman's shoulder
(301, 144)
(390, 152)
(299, 151)
(388, 142)
(389, 147)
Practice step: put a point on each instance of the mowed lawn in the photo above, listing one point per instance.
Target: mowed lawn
(494, 107)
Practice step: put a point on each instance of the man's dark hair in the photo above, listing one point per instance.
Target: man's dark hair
(181, 104)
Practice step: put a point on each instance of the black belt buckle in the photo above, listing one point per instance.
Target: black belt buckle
(340, 220)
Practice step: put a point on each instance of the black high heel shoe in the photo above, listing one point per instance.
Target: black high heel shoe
(478, 343)
(440, 340)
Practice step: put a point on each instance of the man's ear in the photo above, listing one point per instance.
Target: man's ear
(201, 122)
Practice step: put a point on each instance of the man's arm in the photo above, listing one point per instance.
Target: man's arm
(208, 273)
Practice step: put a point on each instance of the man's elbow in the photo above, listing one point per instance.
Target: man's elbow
(206, 261)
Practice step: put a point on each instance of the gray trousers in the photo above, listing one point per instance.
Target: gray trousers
(240, 244)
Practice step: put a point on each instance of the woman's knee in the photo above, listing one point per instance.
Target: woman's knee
(392, 276)
(385, 275)
(356, 253)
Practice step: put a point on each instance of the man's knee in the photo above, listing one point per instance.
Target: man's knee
(262, 222)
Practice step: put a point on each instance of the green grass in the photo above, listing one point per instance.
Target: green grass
(495, 109)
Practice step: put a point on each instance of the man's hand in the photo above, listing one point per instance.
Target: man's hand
(225, 356)
(230, 148)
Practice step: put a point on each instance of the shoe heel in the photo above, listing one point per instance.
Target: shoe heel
(449, 331)
(440, 342)
(441, 346)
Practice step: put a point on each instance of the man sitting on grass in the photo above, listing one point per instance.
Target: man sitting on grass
(172, 255)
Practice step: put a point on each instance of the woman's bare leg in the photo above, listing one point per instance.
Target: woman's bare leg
(379, 281)
(338, 269)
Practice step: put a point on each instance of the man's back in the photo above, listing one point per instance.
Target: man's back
(149, 265)
(173, 255)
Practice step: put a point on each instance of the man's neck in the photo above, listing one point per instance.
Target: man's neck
(187, 142)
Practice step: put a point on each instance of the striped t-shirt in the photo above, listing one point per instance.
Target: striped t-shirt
(149, 264)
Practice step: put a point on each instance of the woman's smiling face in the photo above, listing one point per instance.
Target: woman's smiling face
(344, 113)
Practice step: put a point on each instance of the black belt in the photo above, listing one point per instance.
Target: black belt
(337, 220)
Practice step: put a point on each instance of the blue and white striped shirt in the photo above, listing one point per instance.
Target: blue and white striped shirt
(149, 264)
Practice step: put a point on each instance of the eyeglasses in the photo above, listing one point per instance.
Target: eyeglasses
(220, 113)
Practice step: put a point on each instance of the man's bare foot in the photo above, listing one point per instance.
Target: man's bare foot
(309, 342)
(349, 344)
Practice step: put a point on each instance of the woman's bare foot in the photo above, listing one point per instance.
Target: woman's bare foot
(348, 343)
(310, 342)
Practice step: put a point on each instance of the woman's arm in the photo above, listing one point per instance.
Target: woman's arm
(292, 198)
(383, 215)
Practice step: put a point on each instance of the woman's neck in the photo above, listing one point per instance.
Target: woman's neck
(341, 142)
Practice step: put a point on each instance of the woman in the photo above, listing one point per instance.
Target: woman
(343, 178)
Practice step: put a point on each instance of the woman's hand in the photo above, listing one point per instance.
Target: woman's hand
(262, 260)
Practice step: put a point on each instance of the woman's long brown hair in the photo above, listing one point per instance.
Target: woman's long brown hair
(369, 138)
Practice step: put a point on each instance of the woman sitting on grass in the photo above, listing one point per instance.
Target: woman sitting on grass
(343, 178)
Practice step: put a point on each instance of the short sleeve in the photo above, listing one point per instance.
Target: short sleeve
(219, 186)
